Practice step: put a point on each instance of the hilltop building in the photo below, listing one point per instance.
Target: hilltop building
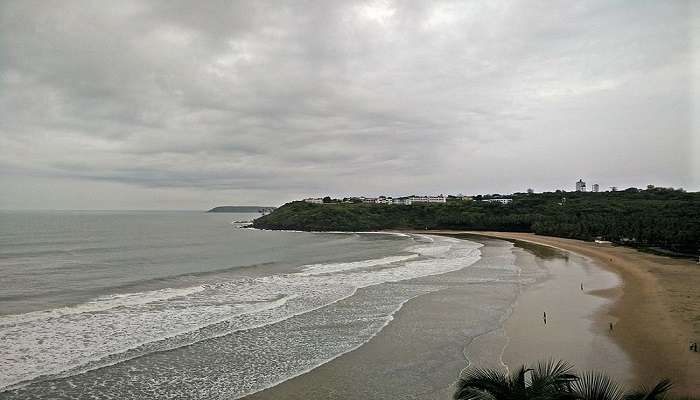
(580, 186)
(596, 188)
(409, 200)
(378, 200)
(428, 199)
(314, 200)
(502, 201)
(406, 200)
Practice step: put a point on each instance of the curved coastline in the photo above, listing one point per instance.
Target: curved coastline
(586, 341)
(656, 307)
(420, 353)
(574, 331)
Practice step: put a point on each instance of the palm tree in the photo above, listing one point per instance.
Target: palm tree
(550, 380)
(547, 381)
(598, 386)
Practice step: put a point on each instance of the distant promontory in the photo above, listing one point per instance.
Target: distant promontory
(241, 209)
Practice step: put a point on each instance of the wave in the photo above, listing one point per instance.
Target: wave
(114, 328)
(316, 269)
(73, 338)
(102, 303)
(386, 322)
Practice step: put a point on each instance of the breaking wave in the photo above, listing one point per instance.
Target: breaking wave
(111, 329)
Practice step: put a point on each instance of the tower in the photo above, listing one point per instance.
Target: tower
(580, 186)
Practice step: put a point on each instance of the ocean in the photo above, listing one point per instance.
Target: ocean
(134, 305)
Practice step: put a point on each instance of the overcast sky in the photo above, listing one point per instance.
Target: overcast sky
(188, 104)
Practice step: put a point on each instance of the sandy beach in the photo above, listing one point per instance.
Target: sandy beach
(421, 352)
(656, 308)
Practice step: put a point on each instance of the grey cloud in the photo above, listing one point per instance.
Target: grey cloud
(288, 98)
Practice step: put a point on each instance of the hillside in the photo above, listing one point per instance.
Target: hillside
(661, 218)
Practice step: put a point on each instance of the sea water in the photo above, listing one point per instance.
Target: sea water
(188, 304)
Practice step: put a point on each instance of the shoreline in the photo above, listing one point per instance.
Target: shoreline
(421, 352)
(657, 306)
(574, 331)
(304, 372)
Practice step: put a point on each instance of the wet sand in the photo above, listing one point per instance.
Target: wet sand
(420, 354)
(577, 320)
(656, 308)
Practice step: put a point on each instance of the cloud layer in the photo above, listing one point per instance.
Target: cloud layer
(241, 102)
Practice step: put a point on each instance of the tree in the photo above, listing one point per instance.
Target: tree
(551, 380)
(665, 219)
(548, 380)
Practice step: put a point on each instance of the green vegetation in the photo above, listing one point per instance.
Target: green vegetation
(654, 218)
(549, 381)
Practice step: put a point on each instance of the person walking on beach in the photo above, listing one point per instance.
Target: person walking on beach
(581, 285)
(611, 327)
(544, 318)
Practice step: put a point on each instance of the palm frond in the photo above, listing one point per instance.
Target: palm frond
(484, 380)
(596, 386)
(549, 380)
(558, 373)
(467, 393)
(655, 393)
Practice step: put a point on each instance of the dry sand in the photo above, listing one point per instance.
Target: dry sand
(657, 308)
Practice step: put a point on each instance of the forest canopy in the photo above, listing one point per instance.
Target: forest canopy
(657, 217)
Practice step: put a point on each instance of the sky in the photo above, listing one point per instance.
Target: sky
(188, 105)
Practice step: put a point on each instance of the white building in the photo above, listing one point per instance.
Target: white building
(397, 200)
(580, 186)
(384, 200)
(314, 200)
(502, 201)
(596, 188)
(427, 199)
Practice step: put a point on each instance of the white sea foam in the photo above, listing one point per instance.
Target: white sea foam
(316, 269)
(103, 303)
(294, 374)
(55, 341)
